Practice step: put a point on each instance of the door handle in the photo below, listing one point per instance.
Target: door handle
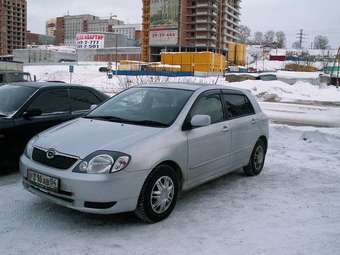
(225, 129)
(253, 121)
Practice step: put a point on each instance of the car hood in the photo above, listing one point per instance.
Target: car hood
(82, 137)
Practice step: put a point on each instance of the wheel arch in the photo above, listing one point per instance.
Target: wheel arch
(177, 168)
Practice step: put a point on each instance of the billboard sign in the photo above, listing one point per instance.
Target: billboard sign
(164, 22)
(163, 37)
(90, 41)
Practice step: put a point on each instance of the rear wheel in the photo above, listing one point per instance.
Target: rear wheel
(159, 195)
(257, 159)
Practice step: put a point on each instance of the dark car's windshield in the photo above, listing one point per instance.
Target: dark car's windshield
(149, 106)
(12, 97)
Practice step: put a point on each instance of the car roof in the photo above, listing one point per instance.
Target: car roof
(39, 85)
(193, 86)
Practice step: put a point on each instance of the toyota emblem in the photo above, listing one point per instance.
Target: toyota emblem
(50, 154)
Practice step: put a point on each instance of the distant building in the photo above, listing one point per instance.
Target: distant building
(69, 26)
(39, 39)
(60, 31)
(139, 37)
(127, 29)
(103, 25)
(45, 54)
(51, 27)
(76, 24)
(110, 54)
(13, 25)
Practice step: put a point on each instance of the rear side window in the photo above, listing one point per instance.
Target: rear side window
(209, 105)
(81, 99)
(51, 101)
(237, 106)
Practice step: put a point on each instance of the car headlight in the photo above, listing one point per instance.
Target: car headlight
(103, 162)
(29, 147)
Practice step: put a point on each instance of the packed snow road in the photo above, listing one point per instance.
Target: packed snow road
(292, 208)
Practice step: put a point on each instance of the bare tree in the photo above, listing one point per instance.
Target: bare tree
(281, 39)
(321, 42)
(269, 37)
(244, 34)
(258, 38)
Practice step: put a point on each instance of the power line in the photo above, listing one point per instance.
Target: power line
(301, 36)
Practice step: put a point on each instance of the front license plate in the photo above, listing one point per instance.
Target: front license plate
(43, 181)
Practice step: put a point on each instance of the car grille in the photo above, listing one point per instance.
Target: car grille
(59, 161)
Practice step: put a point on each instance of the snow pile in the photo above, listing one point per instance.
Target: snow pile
(290, 93)
(298, 75)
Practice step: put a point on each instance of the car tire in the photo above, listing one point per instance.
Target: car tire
(159, 195)
(257, 159)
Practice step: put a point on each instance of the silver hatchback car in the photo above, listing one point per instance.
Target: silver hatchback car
(142, 147)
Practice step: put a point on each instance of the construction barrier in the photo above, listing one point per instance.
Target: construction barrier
(237, 53)
(207, 62)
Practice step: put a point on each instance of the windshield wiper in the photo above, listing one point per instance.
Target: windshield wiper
(149, 123)
(107, 118)
(121, 120)
(3, 115)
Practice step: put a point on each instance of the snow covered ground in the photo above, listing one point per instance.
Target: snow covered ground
(292, 208)
(87, 74)
(267, 91)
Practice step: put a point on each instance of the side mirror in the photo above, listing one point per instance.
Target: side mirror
(92, 107)
(31, 113)
(200, 121)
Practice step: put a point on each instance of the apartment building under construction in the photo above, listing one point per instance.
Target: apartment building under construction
(13, 25)
(189, 25)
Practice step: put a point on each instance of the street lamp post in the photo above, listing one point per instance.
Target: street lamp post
(116, 54)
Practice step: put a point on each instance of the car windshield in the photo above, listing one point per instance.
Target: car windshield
(148, 106)
(12, 97)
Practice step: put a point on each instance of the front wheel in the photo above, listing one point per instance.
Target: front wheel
(257, 159)
(159, 195)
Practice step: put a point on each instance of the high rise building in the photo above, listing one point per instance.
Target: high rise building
(13, 25)
(74, 24)
(189, 25)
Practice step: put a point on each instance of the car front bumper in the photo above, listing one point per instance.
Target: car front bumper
(92, 193)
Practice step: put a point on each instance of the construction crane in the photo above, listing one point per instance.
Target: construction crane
(146, 31)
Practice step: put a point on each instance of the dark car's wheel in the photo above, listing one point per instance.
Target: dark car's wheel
(159, 195)
(257, 159)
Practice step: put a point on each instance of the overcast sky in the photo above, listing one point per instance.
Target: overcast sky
(315, 16)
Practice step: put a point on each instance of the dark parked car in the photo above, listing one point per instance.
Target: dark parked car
(14, 76)
(103, 69)
(28, 108)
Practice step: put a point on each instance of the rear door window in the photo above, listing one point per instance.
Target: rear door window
(237, 105)
(82, 99)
